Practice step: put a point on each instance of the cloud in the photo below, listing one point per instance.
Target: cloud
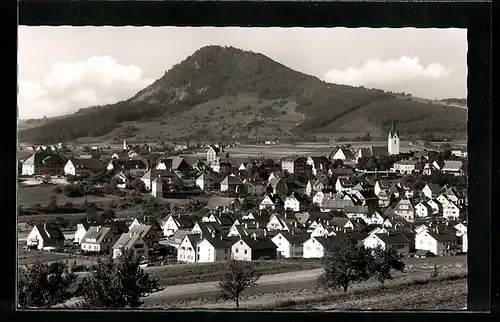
(387, 73)
(70, 86)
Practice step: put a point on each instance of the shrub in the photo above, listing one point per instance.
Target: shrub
(79, 268)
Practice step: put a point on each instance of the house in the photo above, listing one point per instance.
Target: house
(344, 184)
(271, 201)
(316, 247)
(213, 249)
(186, 253)
(294, 202)
(254, 248)
(374, 219)
(334, 202)
(99, 239)
(148, 235)
(81, 230)
(254, 187)
(222, 220)
(423, 209)
(341, 223)
(342, 153)
(436, 206)
(296, 165)
(438, 241)
(356, 212)
(372, 151)
(132, 167)
(171, 223)
(421, 155)
(461, 153)
(407, 189)
(451, 211)
(366, 197)
(174, 163)
(123, 180)
(318, 198)
(282, 222)
(42, 163)
(221, 165)
(443, 200)
(232, 183)
(168, 177)
(453, 167)
(245, 166)
(77, 167)
(431, 190)
(381, 185)
(390, 239)
(205, 182)
(317, 163)
(277, 186)
(46, 237)
(275, 176)
(200, 166)
(224, 204)
(405, 166)
(131, 240)
(322, 230)
(213, 153)
(405, 209)
(383, 199)
(313, 186)
(290, 244)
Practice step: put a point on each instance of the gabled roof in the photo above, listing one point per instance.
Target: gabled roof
(43, 157)
(95, 232)
(356, 209)
(378, 150)
(221, 201)
(393, 238)
(205, 176)
(435, 188)
(443, 236)
(129, 164)
(221, 242)
(173, 162)
(153, 173)
(295, 239)
(127, 240)
(346, 151)
(231, 180)
(215, 148)
(89, 164)
(142, 230)
(452, 165)
(258, 243)
(50, 232)
(329, 243)
(339, 222)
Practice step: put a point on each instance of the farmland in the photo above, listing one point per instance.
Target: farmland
(30, 196)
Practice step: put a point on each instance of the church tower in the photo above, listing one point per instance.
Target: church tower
(124, 144)
(393, 139)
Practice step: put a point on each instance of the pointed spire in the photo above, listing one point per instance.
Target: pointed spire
(393, 127)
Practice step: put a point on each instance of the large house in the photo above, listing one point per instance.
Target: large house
(271, 201)
(42, 163)
(174, 163)
(254, 248)
(344, 184)
(390, 239)
(131, 240)
(316, 247)
(186, 253)
(289, 244)
(77, 167)
(296, 165)
(148, 235)
(294, 202)
(132, 167)
(168, 177)
(371, 151)
(45, 237)
(438, 241)
(254, 187)
(405, 166)
(171, 223)
(318, 163)
(213, 249)
(405, 209)
(213, 153)
(98, 239)
(232, 183)
(342, 153)
(205, 181)
(453, 167)
(431, 190)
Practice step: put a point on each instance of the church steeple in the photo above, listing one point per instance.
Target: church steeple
(394, 131)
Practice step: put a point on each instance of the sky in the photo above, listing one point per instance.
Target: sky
(63, 69)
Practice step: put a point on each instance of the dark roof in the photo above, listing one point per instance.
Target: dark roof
(129, 164)
(443, 236)
(90, 164)
(295, 239)
(232, 180)
(50, 232)
(221, 242)
(259, 243)
(378, 150)
(356, 209)
(221, 201)
(329, 243)
(393, 238)
(215, 148)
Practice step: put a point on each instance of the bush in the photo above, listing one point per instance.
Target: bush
(79, 268)
(58, 190)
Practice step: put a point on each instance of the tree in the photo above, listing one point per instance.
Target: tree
(41, 285)
(117, 283)
(346, 263)
(239, 276)
(383, 261)
(138, 185)
(52, 204)
(108, 214)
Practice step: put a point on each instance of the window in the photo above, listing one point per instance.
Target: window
(198, 248)
(225, 250)
(236, 250)
(245, 251)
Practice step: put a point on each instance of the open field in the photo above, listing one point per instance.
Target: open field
(28, 258)
(29, 196)
(208, 272)
(279, 289)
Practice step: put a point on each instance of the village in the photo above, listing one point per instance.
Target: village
(255, 209)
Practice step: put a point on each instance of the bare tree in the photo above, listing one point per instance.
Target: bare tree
(239, 276)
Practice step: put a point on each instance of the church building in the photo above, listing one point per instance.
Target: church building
(393, 139)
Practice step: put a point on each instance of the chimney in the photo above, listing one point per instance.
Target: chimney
(220, 237)
(246, 225)
(254, 236)
(179, 215)
(265, 232)
(213, 234)
(130, 234)
(256, 224)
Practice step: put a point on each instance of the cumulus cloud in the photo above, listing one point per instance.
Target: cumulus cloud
(70, 86)
(387, 73)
